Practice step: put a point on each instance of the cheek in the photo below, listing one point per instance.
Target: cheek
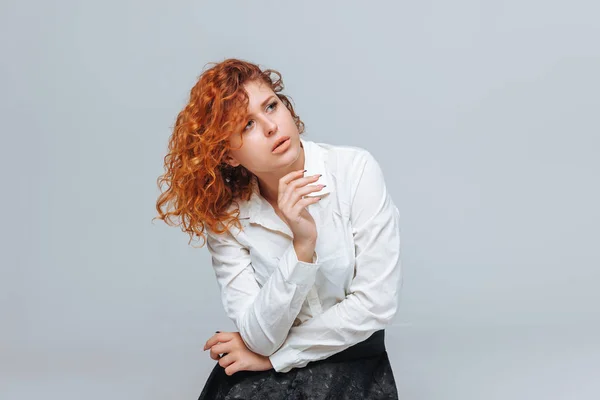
(249, 155)
(288, 115)
(288, 121)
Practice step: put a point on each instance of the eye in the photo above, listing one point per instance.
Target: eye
(273, 105)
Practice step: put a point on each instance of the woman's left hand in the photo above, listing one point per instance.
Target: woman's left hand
(238, 357)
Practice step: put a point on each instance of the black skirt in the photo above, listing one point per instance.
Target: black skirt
(362, 371)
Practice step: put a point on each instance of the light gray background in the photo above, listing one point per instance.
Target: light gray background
(483, 115)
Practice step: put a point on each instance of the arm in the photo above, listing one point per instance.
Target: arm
(262, 315)
(372, 300)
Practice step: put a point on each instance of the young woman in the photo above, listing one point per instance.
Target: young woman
(304, 239)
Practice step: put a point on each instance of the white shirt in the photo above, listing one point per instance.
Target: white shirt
(296, 312)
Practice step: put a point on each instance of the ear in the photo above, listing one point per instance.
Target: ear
(231, 161)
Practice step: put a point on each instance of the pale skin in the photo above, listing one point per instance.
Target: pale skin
(283, 184)
(236, 356)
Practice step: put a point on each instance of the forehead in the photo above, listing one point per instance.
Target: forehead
(257, 92)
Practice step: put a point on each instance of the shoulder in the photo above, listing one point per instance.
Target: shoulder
(348, 163)
(351, 168)
(345, 158)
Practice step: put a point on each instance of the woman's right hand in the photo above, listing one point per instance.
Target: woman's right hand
(292, 188)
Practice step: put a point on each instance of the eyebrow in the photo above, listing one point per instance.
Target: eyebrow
(264, 103)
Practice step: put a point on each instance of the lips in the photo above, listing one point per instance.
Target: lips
(279, 141)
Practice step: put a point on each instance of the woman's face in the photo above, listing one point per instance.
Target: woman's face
(268, 122)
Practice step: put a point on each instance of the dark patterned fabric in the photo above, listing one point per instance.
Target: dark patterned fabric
(362, 371)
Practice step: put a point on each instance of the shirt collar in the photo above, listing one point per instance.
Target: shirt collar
(258, 210)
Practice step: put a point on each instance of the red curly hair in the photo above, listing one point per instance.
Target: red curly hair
(200, 185)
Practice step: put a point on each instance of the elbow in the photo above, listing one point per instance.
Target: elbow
(262, 336)
(387, 311)
(261, 346)
(256, 338)
(389, 316)
(376, 311)
(264, 349)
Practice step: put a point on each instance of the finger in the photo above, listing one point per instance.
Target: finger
(291, 178)
(219, 348)
(226, 360)
(287, 178)
(300, 182)
(232, 368)
(301, 204)
(293, 186)
(301, 192)
(216, 338)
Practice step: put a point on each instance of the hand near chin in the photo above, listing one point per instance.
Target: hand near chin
(236, 356)
(293, 199)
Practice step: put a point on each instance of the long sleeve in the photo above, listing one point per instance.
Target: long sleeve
(372, 298)
(263, 315)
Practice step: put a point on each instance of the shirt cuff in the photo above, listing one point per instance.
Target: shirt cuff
(296, 271)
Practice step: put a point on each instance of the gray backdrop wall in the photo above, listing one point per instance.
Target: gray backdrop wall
(483, 115)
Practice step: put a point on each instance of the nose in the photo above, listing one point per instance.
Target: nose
(270, 126)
